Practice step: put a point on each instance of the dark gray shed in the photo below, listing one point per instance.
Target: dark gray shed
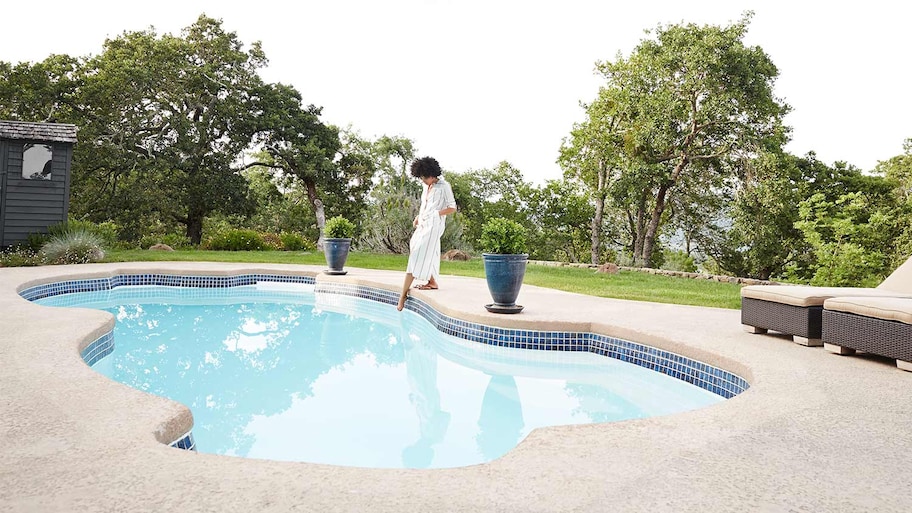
(34, 177)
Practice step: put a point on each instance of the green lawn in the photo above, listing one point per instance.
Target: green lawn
(624, 285)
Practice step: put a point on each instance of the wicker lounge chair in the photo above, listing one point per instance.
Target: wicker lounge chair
(797, 310)
(876, 325)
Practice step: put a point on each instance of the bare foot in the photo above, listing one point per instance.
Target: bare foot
(402, 298)
(426, 287)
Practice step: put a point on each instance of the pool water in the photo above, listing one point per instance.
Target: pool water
(277, 371)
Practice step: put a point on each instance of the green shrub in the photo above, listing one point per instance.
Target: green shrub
(295, 242)
(20, 257)
(675, 260)
(272, 241)
(107, 231)
(503, 236)
(339, 228)
(175, 240)
(35, 241)
(75, 246)
(237, 240)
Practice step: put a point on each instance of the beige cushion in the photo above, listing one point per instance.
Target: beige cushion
(886, 308)
(799, 295)
(898, 284)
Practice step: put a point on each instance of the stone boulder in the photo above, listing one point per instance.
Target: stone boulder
(160, 247)
(455, 254)
(610, 268)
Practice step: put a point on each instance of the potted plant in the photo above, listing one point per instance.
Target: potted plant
(503, 243)
(337, 237)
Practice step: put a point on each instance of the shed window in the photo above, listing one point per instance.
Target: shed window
(36, 161)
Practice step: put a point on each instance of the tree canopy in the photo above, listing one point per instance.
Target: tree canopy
(682, 108)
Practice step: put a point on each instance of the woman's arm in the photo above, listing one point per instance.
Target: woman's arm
(448, 200)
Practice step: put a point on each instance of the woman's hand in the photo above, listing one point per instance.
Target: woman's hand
(415, 222)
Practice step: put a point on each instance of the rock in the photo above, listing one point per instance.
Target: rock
(161, 247)
(455, 254)
(608, 267)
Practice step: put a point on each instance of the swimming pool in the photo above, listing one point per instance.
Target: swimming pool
(441, 414)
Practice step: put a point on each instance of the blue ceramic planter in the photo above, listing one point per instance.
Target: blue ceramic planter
(336, 252)
(505, 276)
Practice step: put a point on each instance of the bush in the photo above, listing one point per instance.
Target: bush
(236, 240)
(295, 242)
(175, 240)
(35, 241)
(106, 231)
(503, 236)
(20, 257)
(272, 241)
(339, 228)
(76, 246)
(678, 261)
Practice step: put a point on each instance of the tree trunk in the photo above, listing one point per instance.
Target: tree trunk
(195, 226)
(599, 213)
(639, 232)
(652, 229)
(317, 205)
(659, 209)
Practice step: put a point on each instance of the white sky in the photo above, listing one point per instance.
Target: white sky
(474, 82)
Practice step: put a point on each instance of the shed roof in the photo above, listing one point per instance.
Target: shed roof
(59, 132)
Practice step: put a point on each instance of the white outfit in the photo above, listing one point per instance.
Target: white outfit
(424, 247)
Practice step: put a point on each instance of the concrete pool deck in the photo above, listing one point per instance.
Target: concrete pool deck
(815, 432)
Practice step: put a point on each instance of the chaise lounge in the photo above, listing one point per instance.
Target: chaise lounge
(876, 325)
(797, 310)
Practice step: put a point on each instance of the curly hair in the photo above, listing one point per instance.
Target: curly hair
(425, 167)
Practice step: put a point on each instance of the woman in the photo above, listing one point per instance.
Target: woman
(437, 202)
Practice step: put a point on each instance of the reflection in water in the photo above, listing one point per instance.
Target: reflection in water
(421, 368)
(500, 424)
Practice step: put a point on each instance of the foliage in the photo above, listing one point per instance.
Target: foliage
(897, 171)
(43, 91)
(339, 228)
(454, 234)
(753, 234)
(236, 240)
(678, 261)
(559, 213)
(593, 156)
(388, 221)
(173, 240)
(167, 116)
(279, 204)
(74, 246)
(488, 193)
(685, 106)
(271, 241)
(503, 236)
(848, 238)
(20, 257)
(107, 230)
(295, 242)
(392, 156)
(310, 155)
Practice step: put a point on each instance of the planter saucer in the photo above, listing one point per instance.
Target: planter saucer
(504, 309)
(334, 273)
